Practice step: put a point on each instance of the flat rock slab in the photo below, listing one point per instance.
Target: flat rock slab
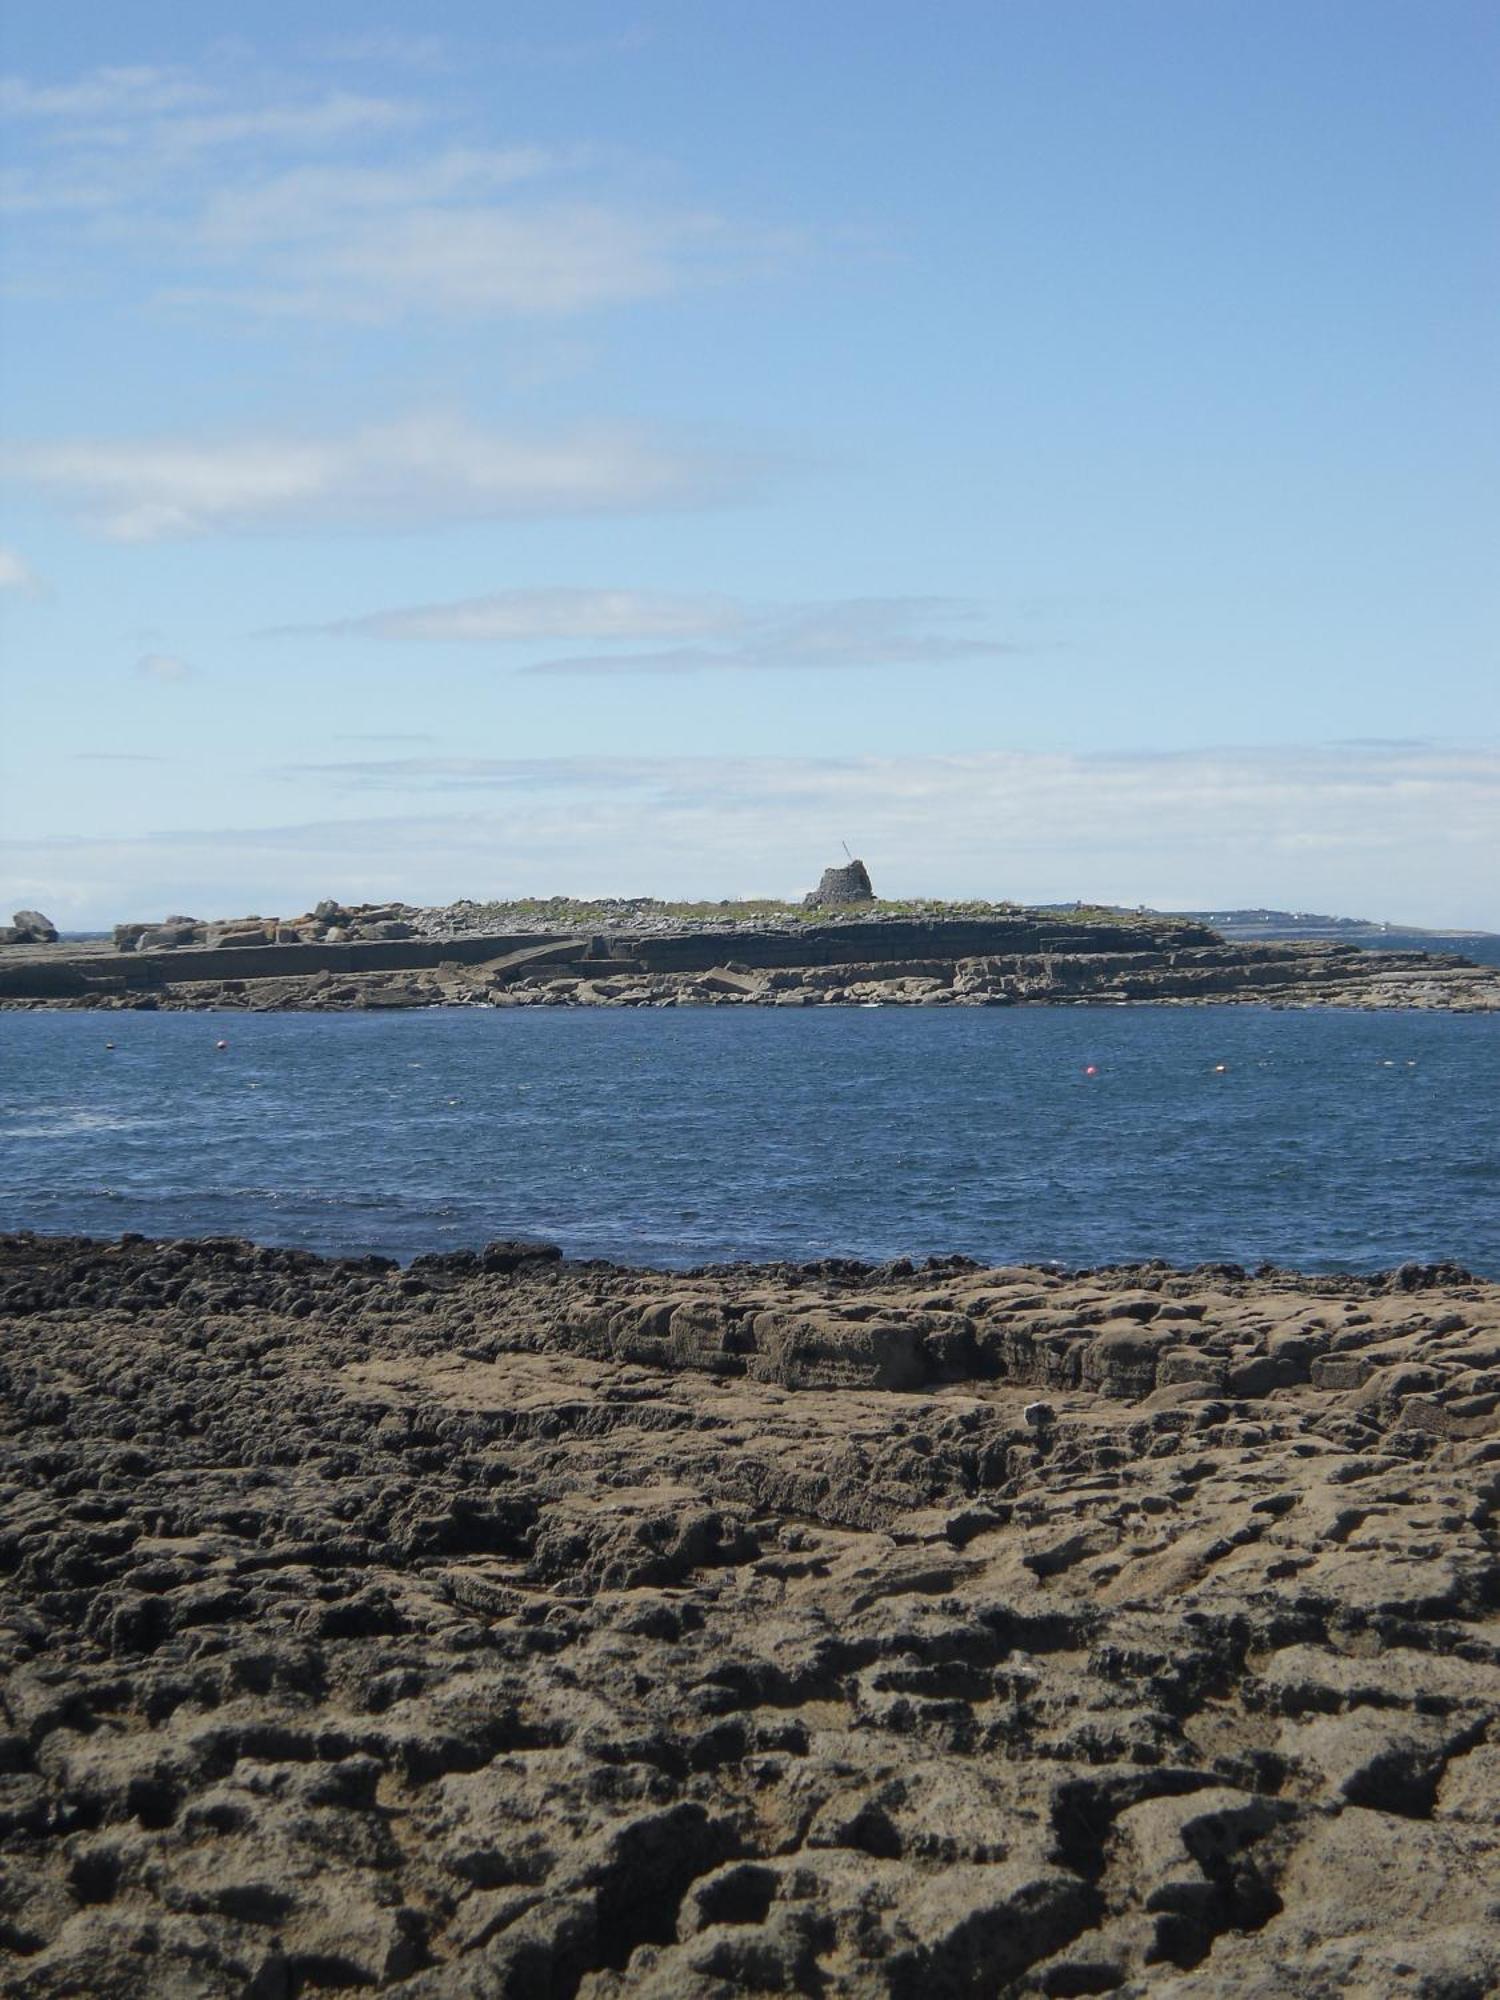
(549, 1630)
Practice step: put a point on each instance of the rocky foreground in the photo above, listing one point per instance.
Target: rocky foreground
(503, 1628)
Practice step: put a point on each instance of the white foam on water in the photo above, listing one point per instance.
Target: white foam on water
(67, 1121)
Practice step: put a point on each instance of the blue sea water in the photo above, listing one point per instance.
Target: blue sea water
(1323, 1139)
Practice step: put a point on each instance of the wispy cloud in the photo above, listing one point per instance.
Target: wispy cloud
(412, 473)
(290, 199)
(1319, 827)
(386, 48)
(383, 736)
(128, 91)
(851, 633)
(17, 574)
(523, 616)
(402, 51)
(164, 668)
(652, 633)
(490, 774)
(160, 113)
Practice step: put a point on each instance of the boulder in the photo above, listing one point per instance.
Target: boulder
(248, 931)
(31, 927)
(165, 937)
(128, 936)
(841, 887)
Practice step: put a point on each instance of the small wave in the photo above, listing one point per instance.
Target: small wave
(67, 1122)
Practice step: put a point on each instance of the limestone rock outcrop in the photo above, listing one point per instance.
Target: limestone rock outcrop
(499, 1627)
(390, 955)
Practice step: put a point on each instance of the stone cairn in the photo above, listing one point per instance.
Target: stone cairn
(840, 887)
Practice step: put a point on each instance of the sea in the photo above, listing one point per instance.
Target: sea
(1324, 1140)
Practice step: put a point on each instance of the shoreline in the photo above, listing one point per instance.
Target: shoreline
(1446, 992)
(540, 1255)
(499, 1625)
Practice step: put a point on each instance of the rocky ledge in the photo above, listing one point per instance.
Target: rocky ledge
(1022, 958)
(496, 1627)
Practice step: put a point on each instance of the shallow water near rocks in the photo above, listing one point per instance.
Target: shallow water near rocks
(1327, 1140)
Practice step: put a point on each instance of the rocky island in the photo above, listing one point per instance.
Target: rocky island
(841, 946)
(499, 1627)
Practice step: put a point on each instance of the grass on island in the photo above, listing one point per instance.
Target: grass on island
(572, 913)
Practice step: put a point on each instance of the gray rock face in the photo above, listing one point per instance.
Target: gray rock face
(31, 927)
(169, 936)
(250, 930)
(841, 887)
(496, 1627)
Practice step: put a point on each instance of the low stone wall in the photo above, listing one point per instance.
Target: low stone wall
(35, 977)
(884, 939)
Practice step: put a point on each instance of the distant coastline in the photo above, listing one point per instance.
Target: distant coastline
(1281, 925)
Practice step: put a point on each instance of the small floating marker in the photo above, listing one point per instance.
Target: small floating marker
(1221, 1069)
(221, 1045)
(109, 1045)
(1091, 1069)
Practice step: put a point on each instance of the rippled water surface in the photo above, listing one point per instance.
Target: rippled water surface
(1323, 1139)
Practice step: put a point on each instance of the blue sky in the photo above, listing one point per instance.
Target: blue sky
(1049, 445)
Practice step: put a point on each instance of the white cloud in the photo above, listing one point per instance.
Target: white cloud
(161, 112)
(164, 668)
(320, 122)
(387, 47)
(561, 259)
(1402, 833)
(307, 203)
(403, 474)
(133, 91)
(224, 194)
(509, 617)
(848, 633)
(702, 634)
(15, 574)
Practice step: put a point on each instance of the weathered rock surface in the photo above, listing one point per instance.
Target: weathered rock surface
(31, 927)
(499, 1627)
